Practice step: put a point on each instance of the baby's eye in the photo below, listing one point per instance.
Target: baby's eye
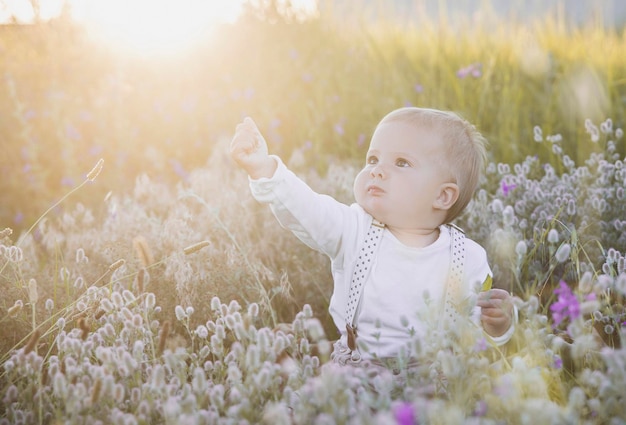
(402, 163)
(371, 160)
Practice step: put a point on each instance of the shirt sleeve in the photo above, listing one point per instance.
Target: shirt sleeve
(318, 220)
(506, 337)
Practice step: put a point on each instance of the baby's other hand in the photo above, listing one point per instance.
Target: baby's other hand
(249, 150)
(496, 311)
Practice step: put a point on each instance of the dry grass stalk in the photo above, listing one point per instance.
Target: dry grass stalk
(91, 176)
(143, 251)
(165, 331)
(141, 275)
(195, 247)
(119, 263)
(32, 342)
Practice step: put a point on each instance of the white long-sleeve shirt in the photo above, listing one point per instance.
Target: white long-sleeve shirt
(405, 286)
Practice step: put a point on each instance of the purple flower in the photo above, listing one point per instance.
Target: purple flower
(507, 188)
(567, 305)
(72, 132)
(361, 140)
(557, 362)
(339, 129)
(475, 70)
(481, 345)
(19, 218)
(481, 408)
(67, 181)
(404, 414)
(418, 88)
(179, 169)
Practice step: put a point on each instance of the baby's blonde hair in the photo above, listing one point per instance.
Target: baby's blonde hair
(465, 148)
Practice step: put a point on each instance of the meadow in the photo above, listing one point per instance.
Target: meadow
(142, 284)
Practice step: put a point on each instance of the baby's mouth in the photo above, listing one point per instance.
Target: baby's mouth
(374, 190)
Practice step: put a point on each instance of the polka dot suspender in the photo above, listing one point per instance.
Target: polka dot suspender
(455, 277)
(362, 267)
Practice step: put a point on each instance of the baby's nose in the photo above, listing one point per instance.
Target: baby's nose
(377, 171)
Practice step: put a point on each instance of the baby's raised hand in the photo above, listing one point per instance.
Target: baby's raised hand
(249, 150)
(496, 311)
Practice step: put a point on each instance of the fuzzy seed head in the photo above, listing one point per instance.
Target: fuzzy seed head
(553, 236)
(179, 311)
(33, 294)
(128, 296)
(143, 251)
(195, 247)
(253, 310)
(562, 254)
(16, 308)
(116, 265)
(106, 305)
(202, 332)
(150, 301)
(6, 232)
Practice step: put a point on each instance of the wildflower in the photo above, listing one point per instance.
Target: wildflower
(562, 254)
(202, 332)
(553, 236)
(79, 282)
(180, 313)
(16, 308)
(481, 345)
(507, 188)
(481, 408)
(475, 70)
(508, 215)
(557, 362)
(607, 126)
(521, 248)
(538, 134)
(404, 414)
(6, 232)
(567, 305)
(253, 310)
(150, 301)
(592, 130)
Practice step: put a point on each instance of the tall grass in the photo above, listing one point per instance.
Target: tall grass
(160, 292)
(317, 87)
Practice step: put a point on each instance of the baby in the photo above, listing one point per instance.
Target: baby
(394, 252)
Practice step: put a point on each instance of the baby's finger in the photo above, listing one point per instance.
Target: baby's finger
(242, 144)
(489, 303)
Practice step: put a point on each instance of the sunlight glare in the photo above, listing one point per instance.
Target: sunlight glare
(153, 25)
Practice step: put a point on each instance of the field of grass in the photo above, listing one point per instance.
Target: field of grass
(151, 288)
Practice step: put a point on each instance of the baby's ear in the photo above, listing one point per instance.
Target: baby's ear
(448, 194)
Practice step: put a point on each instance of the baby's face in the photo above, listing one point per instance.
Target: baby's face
(403, 176)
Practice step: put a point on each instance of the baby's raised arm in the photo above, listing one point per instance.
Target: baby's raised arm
(249, 150)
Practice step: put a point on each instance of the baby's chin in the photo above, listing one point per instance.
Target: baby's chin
(371, 211)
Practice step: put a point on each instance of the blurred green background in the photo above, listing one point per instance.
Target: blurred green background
(316, 86)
